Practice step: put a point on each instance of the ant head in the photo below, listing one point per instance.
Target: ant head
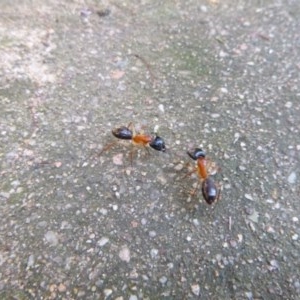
(123, 133)
(196, 154)
(158, 144)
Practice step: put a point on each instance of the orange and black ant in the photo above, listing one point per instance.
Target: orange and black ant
(155, 142)
(128, 133)
(210, 191)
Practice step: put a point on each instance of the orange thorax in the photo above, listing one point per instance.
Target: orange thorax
(201, 168)
(142, 139)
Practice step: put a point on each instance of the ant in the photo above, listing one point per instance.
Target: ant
(210, 191)
(128, 133)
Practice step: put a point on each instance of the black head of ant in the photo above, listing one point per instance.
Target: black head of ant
(197, 153)
(123, 133)
(158, 144)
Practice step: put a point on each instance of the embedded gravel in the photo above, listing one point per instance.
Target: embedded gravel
(79, 223)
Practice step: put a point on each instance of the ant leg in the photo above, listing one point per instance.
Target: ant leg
(193, 193)
(212, 167)
(147, 149)
(132, 128)
(191, 201)
(190, 173)
(220, 187)
(106, 148)
(131, 154)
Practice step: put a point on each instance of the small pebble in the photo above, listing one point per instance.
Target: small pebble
(107, 292)
(163, 280)
(233, 243)
(161, 179)
(292, 178)
(195, 289)
(28, 152)
(170, 265)
(161, 108)
(297, 284)
(124, 254)
(295, 237)
(30, 261)
(153, 253)
(178, 167)
(203, 8)
(249, 295)
(51, 238)
(156, 127)
(58, 164)
(274, 264)
(61, 288)
(103, 211)
(248, 197)
(236, 137)
(19, 190)
(152, 233)
(85, 164)
(270, 229)
(15, 183)
(223, 54)
(103, 241)
(4, 195)
(196, 222)
(118, 159)
(253, 217)
(240, 238)
(288, 104)
(215, 116)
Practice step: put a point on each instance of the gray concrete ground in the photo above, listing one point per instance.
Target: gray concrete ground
(223, 75)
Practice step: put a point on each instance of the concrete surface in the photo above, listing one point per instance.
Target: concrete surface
(223, 75)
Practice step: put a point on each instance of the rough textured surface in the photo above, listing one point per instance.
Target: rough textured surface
(223, 75)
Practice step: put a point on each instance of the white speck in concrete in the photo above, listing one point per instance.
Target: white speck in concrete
(107, 293)
(288, 104)
(163, 280)
(195, 289)
(248, 197)
(52, 238)
(153, 253)
(161, 108)
(295, 237)
(30, 261)
(104, 240)
(124, 254)
(152, 233)
(292, 178)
